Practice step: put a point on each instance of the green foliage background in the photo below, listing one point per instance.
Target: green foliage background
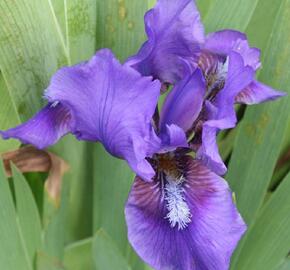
(87, 229)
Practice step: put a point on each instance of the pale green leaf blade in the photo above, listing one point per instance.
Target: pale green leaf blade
(262, 23)
(285, 265)
(27, 214)
(79, 156)
(31, 49)
(9, 116)
(46, 262)
(55, 217)
(81, 27)
(268, 242)
(204, 6)
(120, 26)
(11, 241)
(59, 8)
(229, 14)
(106, 254)
(256, 149)
(79, 255)
(112, 183)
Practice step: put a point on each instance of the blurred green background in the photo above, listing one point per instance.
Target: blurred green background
(84, 228)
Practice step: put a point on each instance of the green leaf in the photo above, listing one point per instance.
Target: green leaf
(9, 116)
(229, 14)
(268, 242)
(81, 24)
(79, 156)
(120, 26)
(256, 149)
(79, 255)
(55, 217)
(285, 265)
(11, 238)
(46, 262)
(27, 214)
(203, 6)
(249, 171)
(106, 254)
(112, 182)
(262, 23)
(31, 49)
(59, 11)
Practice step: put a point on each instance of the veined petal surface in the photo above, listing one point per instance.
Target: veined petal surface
(208, 240)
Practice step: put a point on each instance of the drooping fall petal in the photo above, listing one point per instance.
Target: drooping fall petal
(45, 128)
(106, 102)
(207, 241)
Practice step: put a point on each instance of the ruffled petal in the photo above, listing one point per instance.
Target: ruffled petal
(175, 34)
(221, 113)
(110, 103)
(257, 92)
(238, 78)
(251, 56)
(45, 128)
(184, 103)
(207, 242)
(225, 41)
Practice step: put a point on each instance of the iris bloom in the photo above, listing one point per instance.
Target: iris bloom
(180, 213)
(177, 45)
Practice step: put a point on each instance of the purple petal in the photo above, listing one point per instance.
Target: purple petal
(221, 114)
(183, 104)
(251, 56)
(173, 137)
(208, 151)
(110, 103)
(174, 33)
(44, 129)
(225, 41)
(257, 92)
(239, 77)
(207, 242)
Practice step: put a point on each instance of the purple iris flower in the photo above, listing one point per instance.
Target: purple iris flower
(177, 45)
(180, 212)
(180, 215)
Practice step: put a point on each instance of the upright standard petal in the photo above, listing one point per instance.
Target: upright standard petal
(175, 34)
(210, 234)
(45, 128)
(225, 41)
(184, 103)
(112, 104)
